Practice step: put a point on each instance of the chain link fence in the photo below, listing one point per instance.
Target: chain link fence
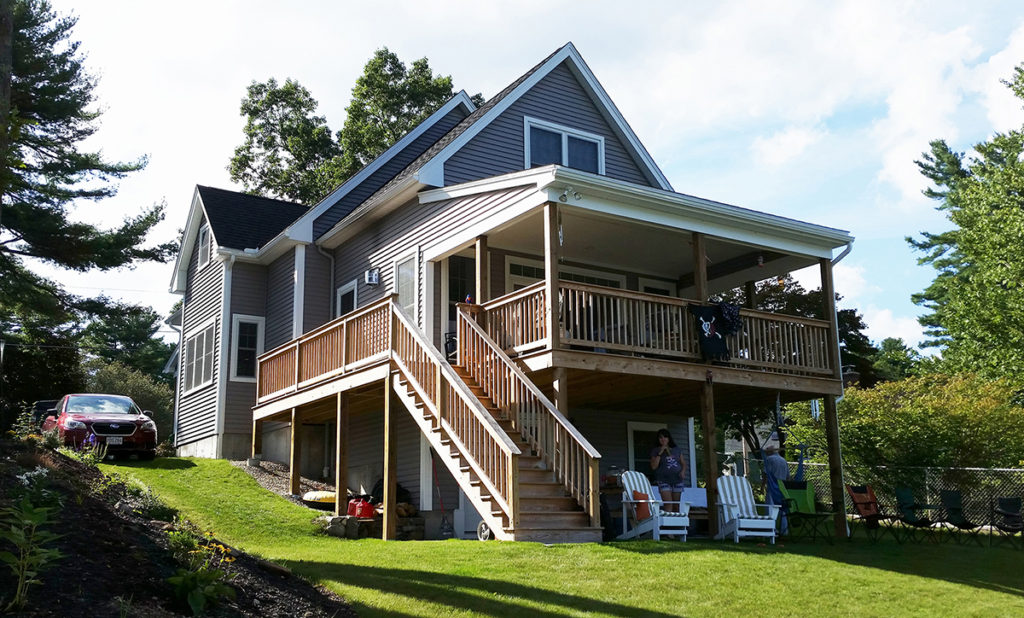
(979, 486)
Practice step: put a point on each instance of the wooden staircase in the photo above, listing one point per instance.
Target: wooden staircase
(547, 513)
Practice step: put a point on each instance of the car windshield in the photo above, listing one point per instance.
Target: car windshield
(100, 404)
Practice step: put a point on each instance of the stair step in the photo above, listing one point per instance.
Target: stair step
(531, 462)
(553, 519)
(535, 476)
(543, 489)
(584, 534)
(548, 503)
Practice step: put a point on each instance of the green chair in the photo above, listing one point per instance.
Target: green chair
(804, 517)
(957, 526)
(910, 516)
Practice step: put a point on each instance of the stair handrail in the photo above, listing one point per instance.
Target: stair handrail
(587, 497)
(507, 503)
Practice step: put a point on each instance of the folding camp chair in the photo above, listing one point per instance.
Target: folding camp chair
(867, 511)
(910, 515)
(956, 525)
(1007, 522)
(804, 517)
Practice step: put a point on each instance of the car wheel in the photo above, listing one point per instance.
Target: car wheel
(483, 532)
(147, 455)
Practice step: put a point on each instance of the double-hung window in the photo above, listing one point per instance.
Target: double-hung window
(548, 143)
(246, 345)
(204, 245)
(198, 365)
(405, 285)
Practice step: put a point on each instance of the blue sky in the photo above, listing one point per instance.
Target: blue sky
(805, 109)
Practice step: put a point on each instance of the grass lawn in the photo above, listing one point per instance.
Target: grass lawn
(645, 578)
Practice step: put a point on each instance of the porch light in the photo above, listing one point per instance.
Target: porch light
(569, 191)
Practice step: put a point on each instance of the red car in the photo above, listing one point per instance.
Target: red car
(114, 420)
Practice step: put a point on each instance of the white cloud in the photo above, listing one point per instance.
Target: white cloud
(783, 146)
(882, 323)
(1003, 109)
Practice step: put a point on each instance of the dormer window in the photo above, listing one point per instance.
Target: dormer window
(548, 143)
(204, 246)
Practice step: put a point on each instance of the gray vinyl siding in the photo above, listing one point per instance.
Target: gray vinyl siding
(248, 297)
(402, 232)
(389, 170)
(280, 298)
(197, 410)
(557, 98)
(366, 448)
(607, 432)
(316, 304)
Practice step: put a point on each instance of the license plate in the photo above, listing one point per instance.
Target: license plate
(115, 441)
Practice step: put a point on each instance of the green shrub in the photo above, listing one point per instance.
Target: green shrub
(21, 525)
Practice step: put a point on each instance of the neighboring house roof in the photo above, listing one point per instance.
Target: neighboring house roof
(242, 221)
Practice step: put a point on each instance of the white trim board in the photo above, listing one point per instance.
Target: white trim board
(261, 327)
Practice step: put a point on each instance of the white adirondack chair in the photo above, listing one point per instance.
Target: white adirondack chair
(660, 522)
(737, 513)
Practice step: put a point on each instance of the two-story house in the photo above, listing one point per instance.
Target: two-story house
(336, 337)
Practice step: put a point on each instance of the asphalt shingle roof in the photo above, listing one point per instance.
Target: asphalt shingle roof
(242, 221)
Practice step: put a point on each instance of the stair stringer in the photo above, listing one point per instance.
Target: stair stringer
(443, 444)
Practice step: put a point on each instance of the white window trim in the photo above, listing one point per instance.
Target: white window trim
(415, 257)
(261, 326)
(511, 279)
(672, 286)
(351, 286)
(184, 353)
(566, 132)
(204, 230)
(632, 426)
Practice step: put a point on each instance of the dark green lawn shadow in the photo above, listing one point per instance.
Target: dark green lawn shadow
(997, 569)
(160, 463)
(483, 596)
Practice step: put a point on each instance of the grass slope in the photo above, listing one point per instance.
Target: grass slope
(698, 578)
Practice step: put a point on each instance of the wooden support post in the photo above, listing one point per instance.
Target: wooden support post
(707, 421)
(341, 457)
(700, 267)
(559, 397)
(390, 524)
(750, 288)
(552, 257)
(257, 438)
(295, 455)
(483, 271)
(835, 453)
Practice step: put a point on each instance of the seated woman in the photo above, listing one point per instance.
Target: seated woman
(669, 470)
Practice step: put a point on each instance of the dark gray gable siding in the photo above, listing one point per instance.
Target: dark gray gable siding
(558, 98)
(197, 410)
(378, 179)
(280, 298)
(248, 297)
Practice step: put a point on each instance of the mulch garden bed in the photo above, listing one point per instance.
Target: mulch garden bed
(116, 563)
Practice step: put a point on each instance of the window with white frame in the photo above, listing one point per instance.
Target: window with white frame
(521, 272)
(204, 245)
(198, 363)
(346, 300)
(246, 345)
(548, 143)
(405, 285)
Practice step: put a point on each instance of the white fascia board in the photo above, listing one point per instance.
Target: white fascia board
(368, 211)
(302, 229)
(581, 70)
(540, 176)
(687, 212)
(196, 213)
(434, 169)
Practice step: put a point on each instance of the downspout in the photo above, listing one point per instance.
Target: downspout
(177, 374)
(329, 256)
(224, 357)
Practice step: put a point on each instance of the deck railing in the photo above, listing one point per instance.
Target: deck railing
(340, 346)
(561, 446)
(489, 452)
(608, 320)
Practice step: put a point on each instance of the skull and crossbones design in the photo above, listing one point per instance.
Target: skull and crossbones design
(708, 328)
